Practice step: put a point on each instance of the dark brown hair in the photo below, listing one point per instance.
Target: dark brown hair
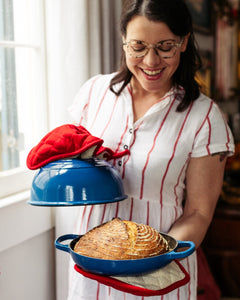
(176, 15)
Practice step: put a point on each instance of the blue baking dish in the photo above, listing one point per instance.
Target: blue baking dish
(71, 182)
(124, 267)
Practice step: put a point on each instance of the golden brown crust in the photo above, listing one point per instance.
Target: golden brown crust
(120, 239)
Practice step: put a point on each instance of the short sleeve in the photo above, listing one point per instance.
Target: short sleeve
(214, 135)
(78, 109)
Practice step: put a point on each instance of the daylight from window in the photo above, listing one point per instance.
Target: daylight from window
(22, 80)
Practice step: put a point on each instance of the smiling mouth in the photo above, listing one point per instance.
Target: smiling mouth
(152, 73)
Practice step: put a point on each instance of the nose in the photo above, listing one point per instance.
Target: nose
(152, 58)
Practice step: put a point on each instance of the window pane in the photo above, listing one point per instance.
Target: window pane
(9, 117)
(23, 118)
(9, 125)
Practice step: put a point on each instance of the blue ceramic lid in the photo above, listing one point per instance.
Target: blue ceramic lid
(71, 182)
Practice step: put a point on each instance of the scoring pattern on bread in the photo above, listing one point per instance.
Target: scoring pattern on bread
(120, 239)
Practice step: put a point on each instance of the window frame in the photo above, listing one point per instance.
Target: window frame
(15, 181)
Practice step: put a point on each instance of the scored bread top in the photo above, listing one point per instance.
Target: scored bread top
(120, 239)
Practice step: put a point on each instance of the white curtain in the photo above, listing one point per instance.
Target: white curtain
(82, 39)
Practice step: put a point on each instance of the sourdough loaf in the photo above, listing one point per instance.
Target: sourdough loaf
(120, 239)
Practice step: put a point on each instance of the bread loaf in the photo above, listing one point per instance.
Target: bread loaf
(120, 239)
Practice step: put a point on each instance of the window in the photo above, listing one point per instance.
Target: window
(23, 96)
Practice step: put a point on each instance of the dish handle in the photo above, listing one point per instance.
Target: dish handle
(185, 253)
(64, 247)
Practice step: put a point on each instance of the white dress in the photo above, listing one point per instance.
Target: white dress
(161, 144)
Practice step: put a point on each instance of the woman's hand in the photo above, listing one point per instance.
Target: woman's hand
(203, 186)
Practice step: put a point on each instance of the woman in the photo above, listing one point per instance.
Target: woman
(177, 137)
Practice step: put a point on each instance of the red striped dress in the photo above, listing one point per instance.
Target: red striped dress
(161, 144)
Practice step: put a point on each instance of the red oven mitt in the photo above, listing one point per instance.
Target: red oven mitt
(69, 141)
(158, 282)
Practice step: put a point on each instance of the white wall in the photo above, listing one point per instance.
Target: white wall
(27, 263)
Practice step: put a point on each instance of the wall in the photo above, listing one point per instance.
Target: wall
(27, 264)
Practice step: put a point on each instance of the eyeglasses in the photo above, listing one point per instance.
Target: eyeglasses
(165, 49)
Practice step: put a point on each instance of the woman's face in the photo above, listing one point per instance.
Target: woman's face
(152, 72)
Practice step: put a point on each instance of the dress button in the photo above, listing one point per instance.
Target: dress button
(125, 147)
(120, 163)
(131, 130)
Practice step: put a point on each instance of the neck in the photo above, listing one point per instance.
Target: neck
(138, 92)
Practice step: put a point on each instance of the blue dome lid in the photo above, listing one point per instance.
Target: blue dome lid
(71, 182)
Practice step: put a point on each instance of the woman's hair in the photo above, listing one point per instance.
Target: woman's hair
(176, 15)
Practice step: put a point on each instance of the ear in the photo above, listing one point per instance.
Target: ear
(185, 42)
